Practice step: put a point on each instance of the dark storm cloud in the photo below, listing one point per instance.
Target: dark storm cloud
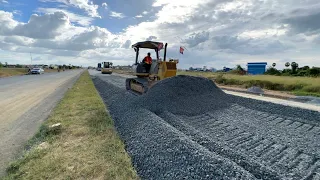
(308, 24)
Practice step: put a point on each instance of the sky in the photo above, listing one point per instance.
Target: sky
(215, 33)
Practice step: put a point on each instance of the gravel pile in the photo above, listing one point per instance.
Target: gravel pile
(186, 95)
(187, 128)
(158, 150)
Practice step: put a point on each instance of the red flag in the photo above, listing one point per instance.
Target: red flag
(181, 50)
(160, 46)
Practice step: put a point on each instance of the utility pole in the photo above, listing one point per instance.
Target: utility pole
(30, 59)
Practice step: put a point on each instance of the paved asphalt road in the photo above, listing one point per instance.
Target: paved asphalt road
(25, 102)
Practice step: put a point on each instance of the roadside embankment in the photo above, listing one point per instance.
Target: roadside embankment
(83, 144)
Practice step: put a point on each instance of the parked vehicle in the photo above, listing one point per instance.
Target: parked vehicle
(99, 67)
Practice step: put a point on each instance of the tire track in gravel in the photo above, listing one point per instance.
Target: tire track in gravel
(282, 144)
(262, 143)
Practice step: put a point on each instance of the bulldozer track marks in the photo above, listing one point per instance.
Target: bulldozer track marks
(288, 146)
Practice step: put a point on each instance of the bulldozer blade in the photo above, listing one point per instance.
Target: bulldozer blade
(136, 87)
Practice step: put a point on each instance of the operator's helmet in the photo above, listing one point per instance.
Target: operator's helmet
(149, 53)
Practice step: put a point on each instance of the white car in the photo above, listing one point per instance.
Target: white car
(37, 71)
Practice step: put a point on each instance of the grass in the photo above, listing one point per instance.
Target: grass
(301, 86)
(295, 85)
(6, 72)
(87, 147)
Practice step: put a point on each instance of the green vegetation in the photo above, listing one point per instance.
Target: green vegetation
(296, 85)
(18, 66)
(5, 72)
(86, 147)
(294, 70)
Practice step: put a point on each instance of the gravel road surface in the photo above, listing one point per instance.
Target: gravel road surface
(181, 130)
(25, 102)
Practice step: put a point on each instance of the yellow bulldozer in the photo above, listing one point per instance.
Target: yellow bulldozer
(159, 70)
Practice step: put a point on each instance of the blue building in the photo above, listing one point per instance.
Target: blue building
(256, 68)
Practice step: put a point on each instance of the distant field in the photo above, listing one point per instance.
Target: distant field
(5, 72)
(295, 85)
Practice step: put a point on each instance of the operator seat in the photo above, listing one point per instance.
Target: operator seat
(141, 68)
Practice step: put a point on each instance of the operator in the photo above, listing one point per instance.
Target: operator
(147, 62)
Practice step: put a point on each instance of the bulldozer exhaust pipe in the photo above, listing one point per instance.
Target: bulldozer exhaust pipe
(165, 52)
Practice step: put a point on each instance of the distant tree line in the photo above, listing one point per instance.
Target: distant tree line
(68, 66)
(44, 66)
(293, 69)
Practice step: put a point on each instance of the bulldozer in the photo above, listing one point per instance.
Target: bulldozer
(159, 70)
(106, 68)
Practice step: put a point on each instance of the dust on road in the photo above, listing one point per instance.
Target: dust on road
(25, 102)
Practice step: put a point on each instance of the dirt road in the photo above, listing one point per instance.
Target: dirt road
(25, 101)
(230, 137)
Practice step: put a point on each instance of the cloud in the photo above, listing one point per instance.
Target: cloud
(86, 5)
(216, 33)
(18, 12)
(42, 27)
(4, 1)
(308, 24)
(142, 14)
(92, 38)
(249, 46)
(75, 18)
(18, 40)
(317, 40)
(126, 44)
(197, 38)
(117, 15)
(105, 5)
(150, 38)
(7, 23)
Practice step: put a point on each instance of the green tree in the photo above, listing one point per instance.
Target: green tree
(1, 65)
(314, 71)
(287, 64)
(239, 68)
(294, 67)
(272, 71)
(305, 68)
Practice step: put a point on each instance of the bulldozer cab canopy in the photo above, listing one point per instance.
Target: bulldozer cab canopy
(156, 46)
(107, 64)
(149, 45)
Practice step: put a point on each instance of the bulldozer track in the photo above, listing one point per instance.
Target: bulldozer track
(287, 146)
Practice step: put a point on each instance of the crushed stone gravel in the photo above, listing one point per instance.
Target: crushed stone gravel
(187, 128)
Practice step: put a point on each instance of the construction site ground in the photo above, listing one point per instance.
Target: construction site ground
(266, 93)
(189, 128)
